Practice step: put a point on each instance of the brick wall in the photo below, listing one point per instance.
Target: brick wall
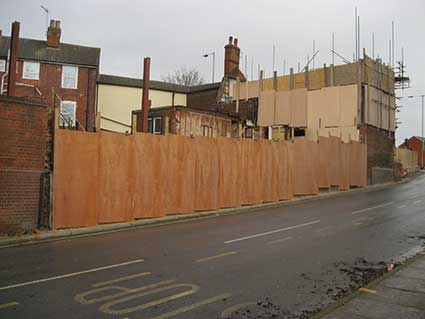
(24, 139)
(51, 77)
(380, 147)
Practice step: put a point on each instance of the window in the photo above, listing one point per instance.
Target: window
(155, 125)
(69, 77)
(2, 65)
(68, 114)
(207, 130)
(31, 71)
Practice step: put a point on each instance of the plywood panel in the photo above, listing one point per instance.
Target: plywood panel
(229, 191)
(251, 176)
(269, 162)
(335, 157)
(373, 108)
(298, 102)
(304, 178)
(331, 106)
(266, 108)
(75, 179)
(325, 162)
(149, 161)
(283, 108)
(115, 187)
(344, 183)
(180, 175)
(206, 173)
(248, 90)
(284, 170)
(348, 105)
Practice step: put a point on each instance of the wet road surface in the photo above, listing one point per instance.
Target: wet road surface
(285, 262)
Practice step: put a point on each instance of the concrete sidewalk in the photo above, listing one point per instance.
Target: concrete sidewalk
(398, 294)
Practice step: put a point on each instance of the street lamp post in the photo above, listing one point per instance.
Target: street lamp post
(213, 68)
(423, 139)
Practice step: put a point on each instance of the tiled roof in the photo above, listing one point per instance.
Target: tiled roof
(154, 85)
(37, 50)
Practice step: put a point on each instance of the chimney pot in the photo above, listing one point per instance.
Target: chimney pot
(236, 42)
(230, 40)
(52, 23)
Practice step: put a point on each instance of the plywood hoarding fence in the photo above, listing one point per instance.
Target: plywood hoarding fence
(108, 177)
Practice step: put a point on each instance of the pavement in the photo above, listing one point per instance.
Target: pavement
(400, 294)
(288, 261)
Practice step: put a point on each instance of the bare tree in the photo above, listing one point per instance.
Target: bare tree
(184, 76)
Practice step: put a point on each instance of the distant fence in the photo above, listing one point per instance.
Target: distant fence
(107, 177)
(407, 158)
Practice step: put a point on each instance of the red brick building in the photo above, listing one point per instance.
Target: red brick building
(47, 65)
(416, 143)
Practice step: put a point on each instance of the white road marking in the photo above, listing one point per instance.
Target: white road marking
(417, 202)
(371, 208)
(272, 232)
(402, 206)
(279, 240)
(71, 274)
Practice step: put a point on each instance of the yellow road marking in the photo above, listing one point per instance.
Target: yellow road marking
(371, 291)
(216, 256)
(10, 304)
(192, 306)
(106, 308)
(278, 240)
(99, 284)
(81, 298)
(227, 313)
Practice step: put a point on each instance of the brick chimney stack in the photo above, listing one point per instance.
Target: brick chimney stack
(231, 57)
(54, 34)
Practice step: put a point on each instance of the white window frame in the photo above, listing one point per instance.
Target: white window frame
(75, 84)
(26, 76)
(74, 120)
(154, 126)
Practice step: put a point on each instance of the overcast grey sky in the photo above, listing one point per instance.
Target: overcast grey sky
(177, 33)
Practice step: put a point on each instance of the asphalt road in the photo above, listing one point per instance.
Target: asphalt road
(274, 263)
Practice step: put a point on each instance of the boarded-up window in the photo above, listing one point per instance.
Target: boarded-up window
(2, 65)
(69, 77)
(68, 114)
(31, 71)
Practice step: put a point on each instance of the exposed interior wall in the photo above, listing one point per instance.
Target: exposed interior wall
(116, 103)
(189, 123)
(107, 177)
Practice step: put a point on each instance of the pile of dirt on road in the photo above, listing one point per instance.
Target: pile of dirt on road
(321, 290)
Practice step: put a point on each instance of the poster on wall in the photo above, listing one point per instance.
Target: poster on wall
(69, 77)
(2, 65)
(31, 70)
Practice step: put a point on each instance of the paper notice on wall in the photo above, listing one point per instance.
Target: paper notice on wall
(69, 77)
(2, 65)
(31, 70)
